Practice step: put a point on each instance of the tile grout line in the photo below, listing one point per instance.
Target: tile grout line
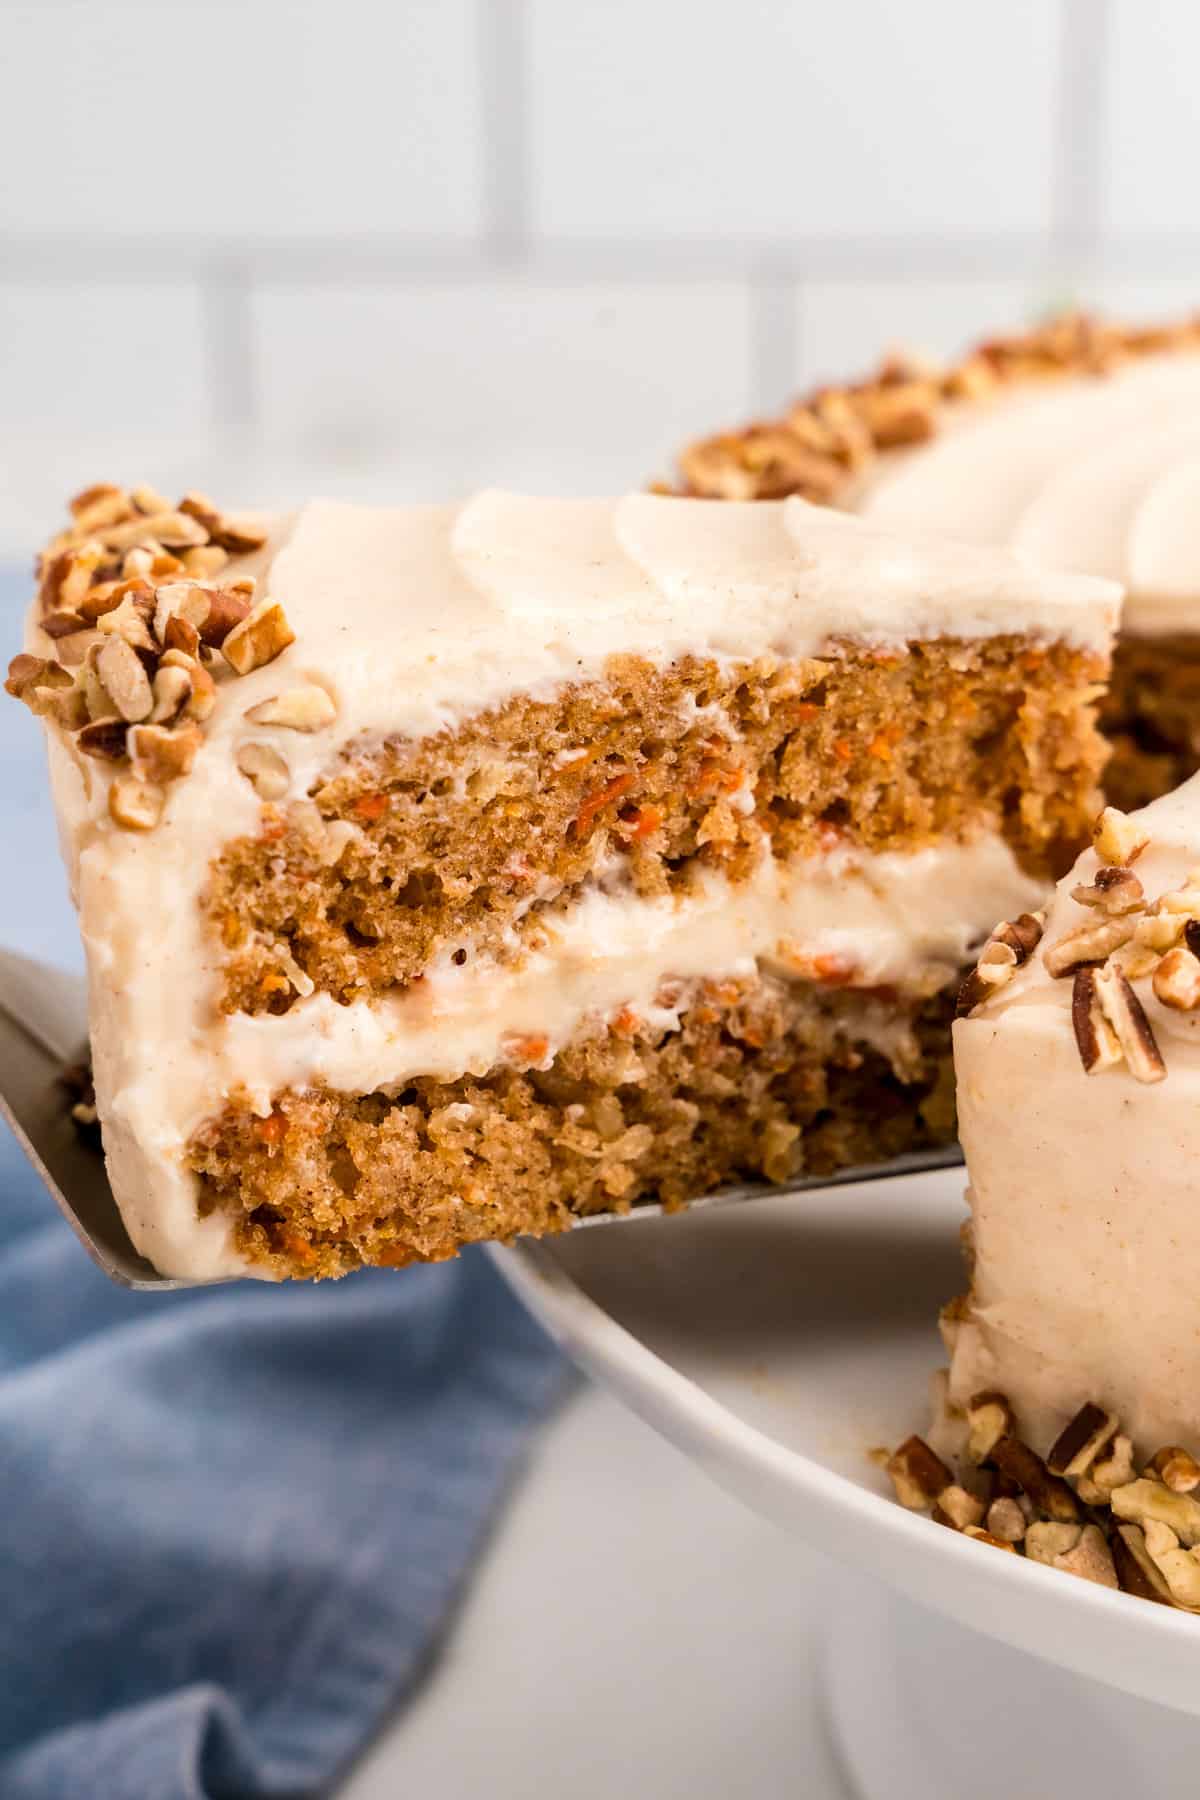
(1077, 172)
(502, 41)
(772, 338)
(229, 349)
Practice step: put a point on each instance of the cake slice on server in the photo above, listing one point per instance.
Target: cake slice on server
(447, 873)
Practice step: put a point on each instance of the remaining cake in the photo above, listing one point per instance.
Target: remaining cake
(1078, 445)
(1076, 1081)
(447, 873)
(1070, 1421)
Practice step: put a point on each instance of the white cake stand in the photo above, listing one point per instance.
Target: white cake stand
(776, 1342)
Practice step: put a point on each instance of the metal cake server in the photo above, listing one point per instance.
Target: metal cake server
(43, 1029)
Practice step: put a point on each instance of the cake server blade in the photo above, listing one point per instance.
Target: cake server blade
(43, 1029)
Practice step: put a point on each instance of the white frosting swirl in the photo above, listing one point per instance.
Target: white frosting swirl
(1096, 473)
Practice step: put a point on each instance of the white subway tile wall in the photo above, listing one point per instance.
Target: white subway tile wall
(285, 246)
(777, 121)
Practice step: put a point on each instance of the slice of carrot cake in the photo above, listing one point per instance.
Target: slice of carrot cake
(1077, 444)
(447, 873)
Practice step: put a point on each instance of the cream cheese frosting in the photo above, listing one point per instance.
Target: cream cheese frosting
(413, 619)
(1099, 474)
(1083, 1190)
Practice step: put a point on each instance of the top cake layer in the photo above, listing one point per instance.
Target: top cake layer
(422, 616)
(1078, 446)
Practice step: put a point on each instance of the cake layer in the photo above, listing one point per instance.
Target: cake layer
(760, 1079)
(1151, 716)
(1083, 1185)
(472, 842)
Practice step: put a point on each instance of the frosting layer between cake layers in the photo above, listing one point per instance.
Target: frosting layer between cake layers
(1097, 473)
(1084, 1190)
(413, 619)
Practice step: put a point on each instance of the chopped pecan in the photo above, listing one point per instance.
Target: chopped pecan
(135, 804)
(125, 680)
(172, 688)
(237, 536)
(67, 575)
(162, 754)
(1081, 1441)
(1107, 1473)
(130, 620)
(1125, 1013)
(1177, 979)
(1147, 1498)
(28, 673)
(957, 1507)
(1090, 1558)
(264, 768)
(989, 1418)
(61, 623)
(1090, 942)
(104, 738)
(262, 635)
(1049, 1493)
(918, 1474)
(297, 709)
(1113, 890)
(987, 1537)
(1118, 838)
(173, 530)
(1178, 1567)
(1098, 1044)
(1135, 1570)
(1175, 1469)
(1006, 1520)
(1048, 1539)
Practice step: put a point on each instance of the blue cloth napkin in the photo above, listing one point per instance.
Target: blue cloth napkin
(237, 1518)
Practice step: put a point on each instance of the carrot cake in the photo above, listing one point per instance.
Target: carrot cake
(1077, 445)
(446, 873)
(1070, 1420)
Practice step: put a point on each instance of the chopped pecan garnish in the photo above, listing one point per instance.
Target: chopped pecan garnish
(129, 585)
(1175, 1469)
(1141, 1533)
(1114, 890)
(1011, 944)
(1099, 1047)
(1176, 979)
(296, 709)
(1080, 1443)
(918, 1474)
(1125, 1013)
(1088, 943)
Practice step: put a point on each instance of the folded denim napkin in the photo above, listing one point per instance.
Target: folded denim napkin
(237, 1518)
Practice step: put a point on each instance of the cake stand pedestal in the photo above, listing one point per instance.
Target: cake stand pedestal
(921, 1709)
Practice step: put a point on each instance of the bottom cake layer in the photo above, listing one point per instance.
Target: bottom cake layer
(1151, 716)
(763, 1079)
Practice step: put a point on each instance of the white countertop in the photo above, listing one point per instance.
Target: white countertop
(631, 1631)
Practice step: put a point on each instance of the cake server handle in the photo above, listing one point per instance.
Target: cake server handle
(43, 1028)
